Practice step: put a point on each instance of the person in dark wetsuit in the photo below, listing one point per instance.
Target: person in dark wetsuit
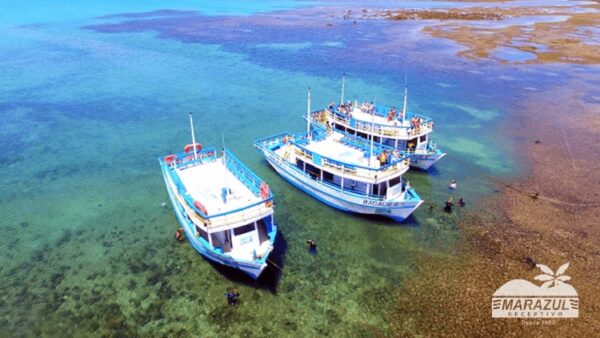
(448, 206)
(312, 246)
(461, 202)
(232, 296)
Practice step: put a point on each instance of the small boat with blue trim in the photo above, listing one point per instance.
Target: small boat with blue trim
(343, 170)
(403, 130)
(225, 210)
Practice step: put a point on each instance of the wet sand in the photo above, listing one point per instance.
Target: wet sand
(561, 33)
(452, 295)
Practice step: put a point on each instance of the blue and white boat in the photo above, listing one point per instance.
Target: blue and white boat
(403, 130)
(225, 210)
(343, 171)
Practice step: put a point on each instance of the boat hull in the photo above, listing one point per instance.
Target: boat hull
(425, 161)
(253, 269)
(397, 210)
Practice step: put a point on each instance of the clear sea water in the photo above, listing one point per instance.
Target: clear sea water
(90, 98)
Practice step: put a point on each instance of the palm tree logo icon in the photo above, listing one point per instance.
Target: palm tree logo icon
(520, 298)
(550, 278)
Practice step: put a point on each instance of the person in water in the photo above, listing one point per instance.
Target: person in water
(312, 246)
(232, 296)
(449, 205)
(461, 202)
(452, 185)
(179, 235)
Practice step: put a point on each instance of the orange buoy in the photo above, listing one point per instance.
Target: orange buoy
(189, 147)
(169, 159)
(200, 207)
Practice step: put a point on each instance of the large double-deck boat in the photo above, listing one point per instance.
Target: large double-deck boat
(343, 170)
(225, 210)
(403, 130)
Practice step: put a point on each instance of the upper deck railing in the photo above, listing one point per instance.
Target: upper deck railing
(390, 130)
(301, 139)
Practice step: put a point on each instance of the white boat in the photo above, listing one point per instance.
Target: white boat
(403, 130)
(343, 171)
(225, 210)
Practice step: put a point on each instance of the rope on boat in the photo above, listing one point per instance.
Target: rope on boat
(275, 264)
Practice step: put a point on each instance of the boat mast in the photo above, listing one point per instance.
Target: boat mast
(193, 137)
(372, 131)
(343, 88)
(225, 165)
(308, 116)
(405, 100)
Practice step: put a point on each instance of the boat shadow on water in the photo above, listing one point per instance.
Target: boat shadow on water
(269, 279)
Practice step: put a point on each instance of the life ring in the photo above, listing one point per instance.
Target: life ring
(285, 139)
(189, 147)
(264, 190)
(169, 159)
(201, 207)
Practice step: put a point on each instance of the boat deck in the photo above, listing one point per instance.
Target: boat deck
(366, 117)
(208, 184)
(331, 147)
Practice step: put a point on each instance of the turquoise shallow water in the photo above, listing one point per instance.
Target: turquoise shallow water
(88, 104)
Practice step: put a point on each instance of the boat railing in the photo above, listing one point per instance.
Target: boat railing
(301, 139)
(346, 167)
(378, 128)
(245, 175)
(381, 110)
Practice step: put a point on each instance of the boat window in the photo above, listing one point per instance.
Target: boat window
(243, 229)
(363, 135)
(383, 189)
(375, 189)
(331, 178)
(313, 171)
(355, 186)
(423, 139)
(339, 127)
(394, 181)
(300, 163)
(202, 233)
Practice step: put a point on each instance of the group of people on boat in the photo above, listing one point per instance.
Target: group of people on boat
(386, 158)
(347, 107)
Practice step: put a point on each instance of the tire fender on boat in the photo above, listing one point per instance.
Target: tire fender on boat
(190, 147)
(169, 159)
(265, 192)
(201, 207)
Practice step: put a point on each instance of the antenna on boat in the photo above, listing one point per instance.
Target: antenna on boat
(225, 165)
(405, 99)
(193, 137)
(343, 87)
(372, 131)
(308, 116)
